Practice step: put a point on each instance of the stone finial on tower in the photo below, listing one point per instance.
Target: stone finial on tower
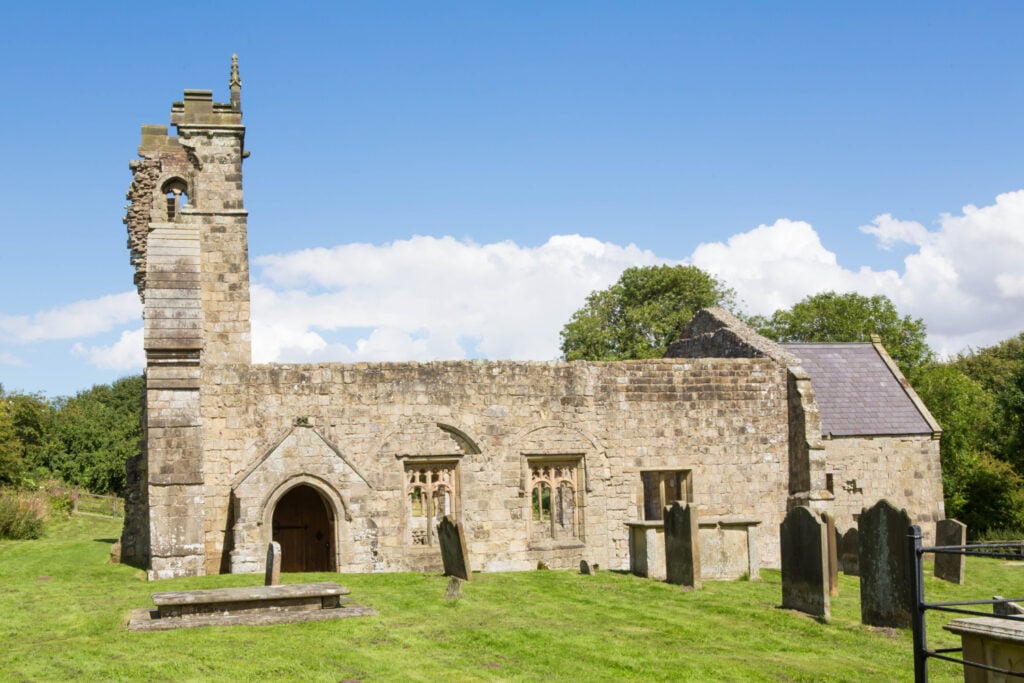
(235, 83)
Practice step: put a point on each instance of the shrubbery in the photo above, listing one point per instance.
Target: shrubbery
(21, 514)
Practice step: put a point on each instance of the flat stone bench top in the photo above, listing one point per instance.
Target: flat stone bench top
(211, 596)
(1008, 630)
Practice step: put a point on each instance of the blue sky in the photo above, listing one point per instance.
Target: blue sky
(434, 180)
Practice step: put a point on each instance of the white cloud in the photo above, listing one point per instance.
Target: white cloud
(774, 266)
(124, 354)
(79, 319)
(890, 231)
(965, 279)
(429, 298)
(10, 359)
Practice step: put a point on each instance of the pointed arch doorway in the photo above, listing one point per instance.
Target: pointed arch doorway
(303, 525)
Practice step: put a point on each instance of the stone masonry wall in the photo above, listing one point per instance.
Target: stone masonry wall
(903, 469)
(725, 420)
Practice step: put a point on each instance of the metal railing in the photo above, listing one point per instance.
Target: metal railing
(921, 651)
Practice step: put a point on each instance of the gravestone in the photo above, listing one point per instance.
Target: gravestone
(805, 563)
(454, 554)
(682, 545)
(586, 568)
(833, 553)
(838, 536)
(454, 590)
(273, 572)
(950, 566)
(886, 598)
(850, 550)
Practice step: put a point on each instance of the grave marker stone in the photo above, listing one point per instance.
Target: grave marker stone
(850, 546)
(949, 566)
(273, 572)
(454, 591)
(585, 568)
(805, 563)
(833, 553)
(454, 554)
(885, 595)
(682, 545)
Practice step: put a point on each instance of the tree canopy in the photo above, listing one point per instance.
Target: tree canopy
(641, 314)
(850, 317)
(83, 440)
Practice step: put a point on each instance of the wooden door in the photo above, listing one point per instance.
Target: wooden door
(303, 528)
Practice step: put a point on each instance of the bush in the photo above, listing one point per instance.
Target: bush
(21, 515)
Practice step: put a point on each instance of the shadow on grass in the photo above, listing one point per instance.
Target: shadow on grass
(108, 541)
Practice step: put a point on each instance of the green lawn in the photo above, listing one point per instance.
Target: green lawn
(63, 610)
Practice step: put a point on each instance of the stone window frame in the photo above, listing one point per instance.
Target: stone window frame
(177, 187)
(541, 532)
(654, 510)
(413, 463)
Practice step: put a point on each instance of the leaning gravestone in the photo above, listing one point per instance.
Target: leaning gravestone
(805, 563)
(682, 545)
(454, 554)
(850, 550)
(833, 553)
(950, 566)
(885, 595)
(273, 573)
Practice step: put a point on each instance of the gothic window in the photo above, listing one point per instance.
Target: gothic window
(431, 494)
(555, 499)
(661, 488)
(176, 192)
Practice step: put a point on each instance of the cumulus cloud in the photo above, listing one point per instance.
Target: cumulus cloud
(124, 354)
(7, 358)
(429, 298)
(963, 278)
(774, 266)
(83, 318)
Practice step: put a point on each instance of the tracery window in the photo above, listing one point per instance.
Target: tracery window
(555, 499)
(430, 491)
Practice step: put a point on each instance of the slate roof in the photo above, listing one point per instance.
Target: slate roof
(857, 392)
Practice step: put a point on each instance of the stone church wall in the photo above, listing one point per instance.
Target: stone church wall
(723, 420)
(903, 469)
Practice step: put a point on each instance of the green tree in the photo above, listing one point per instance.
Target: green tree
(641, 314)
(24, 421)
(966, 413)
(850, 317)
(94, 433)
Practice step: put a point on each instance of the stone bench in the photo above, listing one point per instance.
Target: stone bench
(992, 641)
(252, 605)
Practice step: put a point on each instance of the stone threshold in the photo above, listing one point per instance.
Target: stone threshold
(249, 606)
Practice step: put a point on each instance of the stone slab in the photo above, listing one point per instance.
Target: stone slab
(950, 566)
(454, 552)
(150, 620)
(885, 595)
(682, 545)
(272, 575)
(805, 584)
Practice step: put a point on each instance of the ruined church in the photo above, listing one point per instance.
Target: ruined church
(350, 466)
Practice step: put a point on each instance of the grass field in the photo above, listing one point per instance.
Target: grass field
(63, 610)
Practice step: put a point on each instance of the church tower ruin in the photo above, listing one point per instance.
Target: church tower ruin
(187, 236)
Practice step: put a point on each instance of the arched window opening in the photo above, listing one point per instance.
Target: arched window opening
(176, 192)
(431, 492)
(554, 499)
